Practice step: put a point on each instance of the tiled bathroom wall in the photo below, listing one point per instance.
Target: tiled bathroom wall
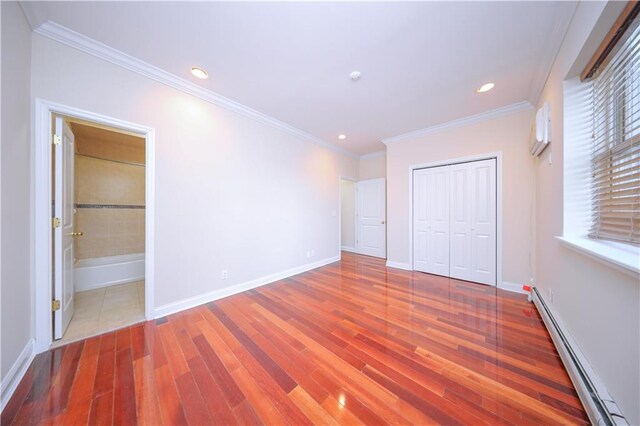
(109, 199)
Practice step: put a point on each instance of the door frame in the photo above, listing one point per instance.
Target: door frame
(355, 224)
(41, 211)
(492, 155)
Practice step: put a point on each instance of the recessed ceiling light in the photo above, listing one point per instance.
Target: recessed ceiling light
(485, 87)
(342, 137)
(355, 75)
(199, 72)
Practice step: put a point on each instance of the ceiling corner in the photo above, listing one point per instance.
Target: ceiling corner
(552, 46)
(29, 14)
(373, 154)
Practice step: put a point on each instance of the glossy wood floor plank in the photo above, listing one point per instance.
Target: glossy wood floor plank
(349, 343)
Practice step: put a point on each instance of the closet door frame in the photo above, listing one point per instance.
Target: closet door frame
(488, 156)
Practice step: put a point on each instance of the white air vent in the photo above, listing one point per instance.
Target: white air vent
(543, 130)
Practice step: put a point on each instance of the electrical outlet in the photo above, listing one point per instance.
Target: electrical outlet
(313, 253)
(550, 295)
(224, 274)
(308, 254)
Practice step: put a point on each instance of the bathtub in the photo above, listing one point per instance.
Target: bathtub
(105, 271)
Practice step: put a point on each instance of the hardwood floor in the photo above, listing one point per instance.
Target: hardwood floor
(351, 343)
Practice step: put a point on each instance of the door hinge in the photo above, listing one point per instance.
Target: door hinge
(55, 305)
(56, 222)
(56, 140)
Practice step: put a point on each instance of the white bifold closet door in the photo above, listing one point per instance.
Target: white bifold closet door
(455, 221)
(431, 220)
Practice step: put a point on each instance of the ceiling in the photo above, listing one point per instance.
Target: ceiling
(100, 142)
(420, 61)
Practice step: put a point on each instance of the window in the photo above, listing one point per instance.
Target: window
(601, 135)
(615, 150)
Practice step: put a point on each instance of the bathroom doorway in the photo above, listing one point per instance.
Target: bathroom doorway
(44, 212)
(98, 236)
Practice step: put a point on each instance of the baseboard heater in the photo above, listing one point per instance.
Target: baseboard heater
(600, 407)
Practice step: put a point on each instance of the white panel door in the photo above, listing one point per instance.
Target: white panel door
(63, 234)
(371, 218)
(454, 221)
(431, 220)
(483, 222)
(460, 222)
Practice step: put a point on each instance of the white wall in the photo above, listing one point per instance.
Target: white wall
(231, 193)
(348, 214)
(599, 305)
(16, 185)
(236, 194)
(508, 134)
(373, 166)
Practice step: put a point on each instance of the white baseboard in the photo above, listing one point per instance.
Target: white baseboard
(399, 265)
(16, 373)
(349, 249)
(86, 287)
(191, 302)
(516, 288)
(600, 406)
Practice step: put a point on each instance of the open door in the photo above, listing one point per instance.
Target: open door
(371, 218)
(63, 234)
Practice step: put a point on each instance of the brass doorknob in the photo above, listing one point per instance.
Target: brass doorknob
(77, 234)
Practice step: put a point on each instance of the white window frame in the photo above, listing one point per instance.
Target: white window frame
(576, 195)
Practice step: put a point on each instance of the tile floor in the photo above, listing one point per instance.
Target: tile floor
(105, 309)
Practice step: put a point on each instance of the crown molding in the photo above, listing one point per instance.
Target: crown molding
(374, 154)
(550, 49)
(461, 122)
(92, 47)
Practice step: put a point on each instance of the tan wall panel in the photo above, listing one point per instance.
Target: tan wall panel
(108, 182)
(109, 231)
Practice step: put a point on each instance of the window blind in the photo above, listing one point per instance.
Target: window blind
(615, 153)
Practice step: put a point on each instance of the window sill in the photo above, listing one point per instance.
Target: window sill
(623, 257)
